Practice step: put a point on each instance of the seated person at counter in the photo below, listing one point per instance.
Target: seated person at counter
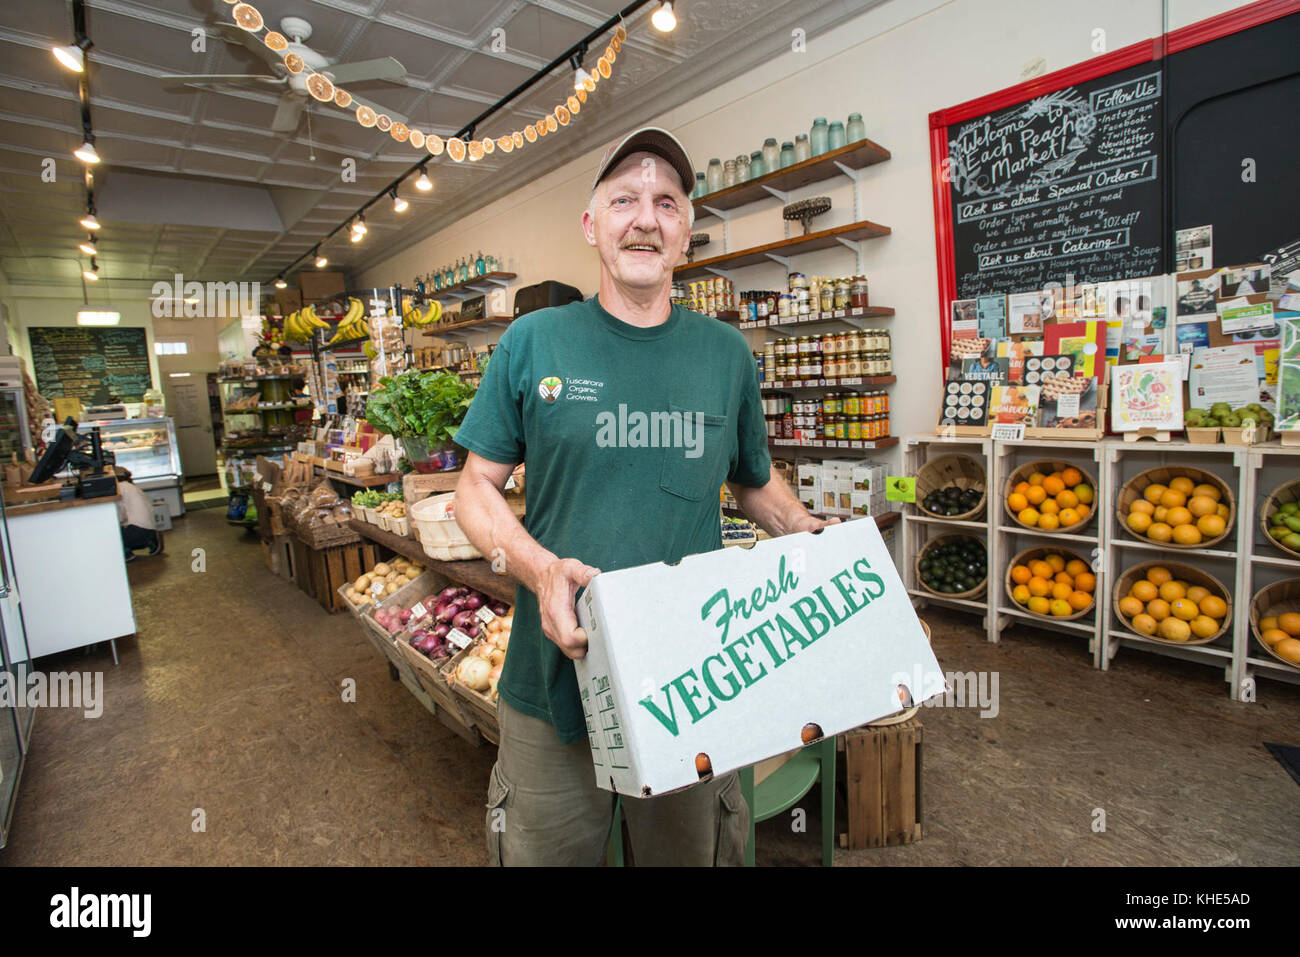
(135, 515)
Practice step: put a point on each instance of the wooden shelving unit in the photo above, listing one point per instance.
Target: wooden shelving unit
(783, 249)
(1271, 464)
(453, 328)
(476, 286)
(854, 156)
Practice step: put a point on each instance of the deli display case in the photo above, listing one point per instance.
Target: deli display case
(147, 449)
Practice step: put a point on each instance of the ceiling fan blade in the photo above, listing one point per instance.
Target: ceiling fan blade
(289, 113)
(234, 34)
(221, 78)
(384, 68)
(362, 101)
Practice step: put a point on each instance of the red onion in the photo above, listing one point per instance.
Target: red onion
(446, 611)
(463, 621)
(440, 631)
(473, 629)
(404, 615)
(448, 593)
(473, 601)
(499, 607)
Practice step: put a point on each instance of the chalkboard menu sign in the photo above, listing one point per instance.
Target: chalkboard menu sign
(1065, 184)
(96, 366)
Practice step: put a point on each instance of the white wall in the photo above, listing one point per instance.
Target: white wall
(895, 64)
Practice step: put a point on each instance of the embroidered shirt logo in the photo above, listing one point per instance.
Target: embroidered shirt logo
(549, 388)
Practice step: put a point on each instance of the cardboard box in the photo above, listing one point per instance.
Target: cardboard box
(162, 515)
(810, 476)
(288, 300)
(754, 645)
(317, 285)
(869, 478)
(810, 497)
(864, 503)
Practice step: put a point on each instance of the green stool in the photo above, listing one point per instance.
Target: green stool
(783, 788)
(778, 792)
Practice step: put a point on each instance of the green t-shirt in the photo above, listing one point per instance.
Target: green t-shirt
(619, 474)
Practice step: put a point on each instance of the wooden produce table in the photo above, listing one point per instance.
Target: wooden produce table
(372, 481)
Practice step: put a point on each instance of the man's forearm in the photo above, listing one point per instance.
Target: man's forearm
(773, 507)
(484, 515)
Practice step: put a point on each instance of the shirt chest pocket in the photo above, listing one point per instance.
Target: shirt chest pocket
(694, 460)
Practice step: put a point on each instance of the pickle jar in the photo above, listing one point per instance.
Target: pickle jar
(827, 301)
(842, 294)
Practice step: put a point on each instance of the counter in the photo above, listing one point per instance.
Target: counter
(71, 573)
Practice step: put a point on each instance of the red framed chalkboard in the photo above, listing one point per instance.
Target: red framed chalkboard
(1067, 174)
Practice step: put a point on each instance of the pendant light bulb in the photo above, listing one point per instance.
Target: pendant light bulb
(359, 225)
(90, 221)
(86, 152)
(88, 247)
(93, 272)
(664, 20)
(321, 261)
(280, 283)
(423, 184)
(399, 204)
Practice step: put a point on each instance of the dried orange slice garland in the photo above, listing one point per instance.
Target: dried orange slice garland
(249, 18)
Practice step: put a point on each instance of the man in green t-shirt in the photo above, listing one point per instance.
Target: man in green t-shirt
(629, 413)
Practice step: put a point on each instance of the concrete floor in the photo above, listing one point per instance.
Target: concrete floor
(229, 700)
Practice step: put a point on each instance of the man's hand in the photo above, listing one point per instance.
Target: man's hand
(810, 523)
(555, 599)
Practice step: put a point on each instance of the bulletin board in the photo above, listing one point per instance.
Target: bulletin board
(1087, 172)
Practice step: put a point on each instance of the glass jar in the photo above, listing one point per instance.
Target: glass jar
(786, 157)
(713, 176)
(728, 173)
(853, 365)
(853, 404)
(842, 294)
(853, 341)
(701, 186)
(783, 305)
(802, 148)
(814, 367)
(819, 136)
(828, 346)
(841, 427)
(757, 165)
(853, 431)
(771, 154)
(858, 293)
(828, 297)
(836, 138)
(886, 364)
(770, 298)
(856, 129)
(828, 426)
(797, 280)
(804, 307)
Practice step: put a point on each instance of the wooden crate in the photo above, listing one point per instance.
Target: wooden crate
(320, 572)
(278, 552)
(431, 676)
(882, 776)
(481, 709)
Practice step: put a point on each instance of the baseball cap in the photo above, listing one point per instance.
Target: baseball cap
(649, 139)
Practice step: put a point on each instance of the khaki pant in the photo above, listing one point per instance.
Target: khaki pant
(544, 808)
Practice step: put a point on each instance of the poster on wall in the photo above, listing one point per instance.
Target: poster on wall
(1224, 374)
(1024, 313)
(992, 311)
(1147, 396)
(1284, 270)
(1194, 248)
(1197, 293)
(1288, 377)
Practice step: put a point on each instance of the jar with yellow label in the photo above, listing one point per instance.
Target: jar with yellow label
(853, 365)
(841, 427)
(828, 426)
(853, 430)
(853, 341)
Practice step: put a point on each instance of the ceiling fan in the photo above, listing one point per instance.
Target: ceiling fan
(295, 97)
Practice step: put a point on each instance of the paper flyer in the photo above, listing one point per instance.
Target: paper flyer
(1284, 268)
(1147, 396)
(1194, 248)
(991, 314)
(1024, 313)
(1224, 374)
(1196, 294)
(1193, 335)
(1245, 313)
(1254, 279)
(964, 311)
(1288, 377)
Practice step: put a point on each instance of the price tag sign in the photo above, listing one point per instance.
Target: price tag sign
(418, 610)
(900, 488)
(458, 638)
(377, 589)
(1008, 431)
(484, 614)
(1067, 406)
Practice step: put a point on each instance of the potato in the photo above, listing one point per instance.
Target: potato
(381, 569)
(362, 583)
(391, 587)
(412, 574)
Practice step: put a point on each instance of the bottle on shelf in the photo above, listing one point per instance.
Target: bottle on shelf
(480, 267)
(802, 148)
(757, 165)
(855, 130)
(836, 137)
(786, 157)
(714, 178)
(819, 136)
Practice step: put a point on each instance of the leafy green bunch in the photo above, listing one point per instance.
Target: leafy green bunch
(418, 404)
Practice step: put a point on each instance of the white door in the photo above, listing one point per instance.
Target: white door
(187, 404)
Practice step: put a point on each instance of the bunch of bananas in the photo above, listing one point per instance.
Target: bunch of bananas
(353, 325)
(301, 325)
(413, 316)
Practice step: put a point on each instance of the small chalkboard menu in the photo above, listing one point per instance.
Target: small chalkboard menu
(1066, 183)
(97, 366)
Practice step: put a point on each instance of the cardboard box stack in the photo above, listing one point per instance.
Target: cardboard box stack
(843, 487)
